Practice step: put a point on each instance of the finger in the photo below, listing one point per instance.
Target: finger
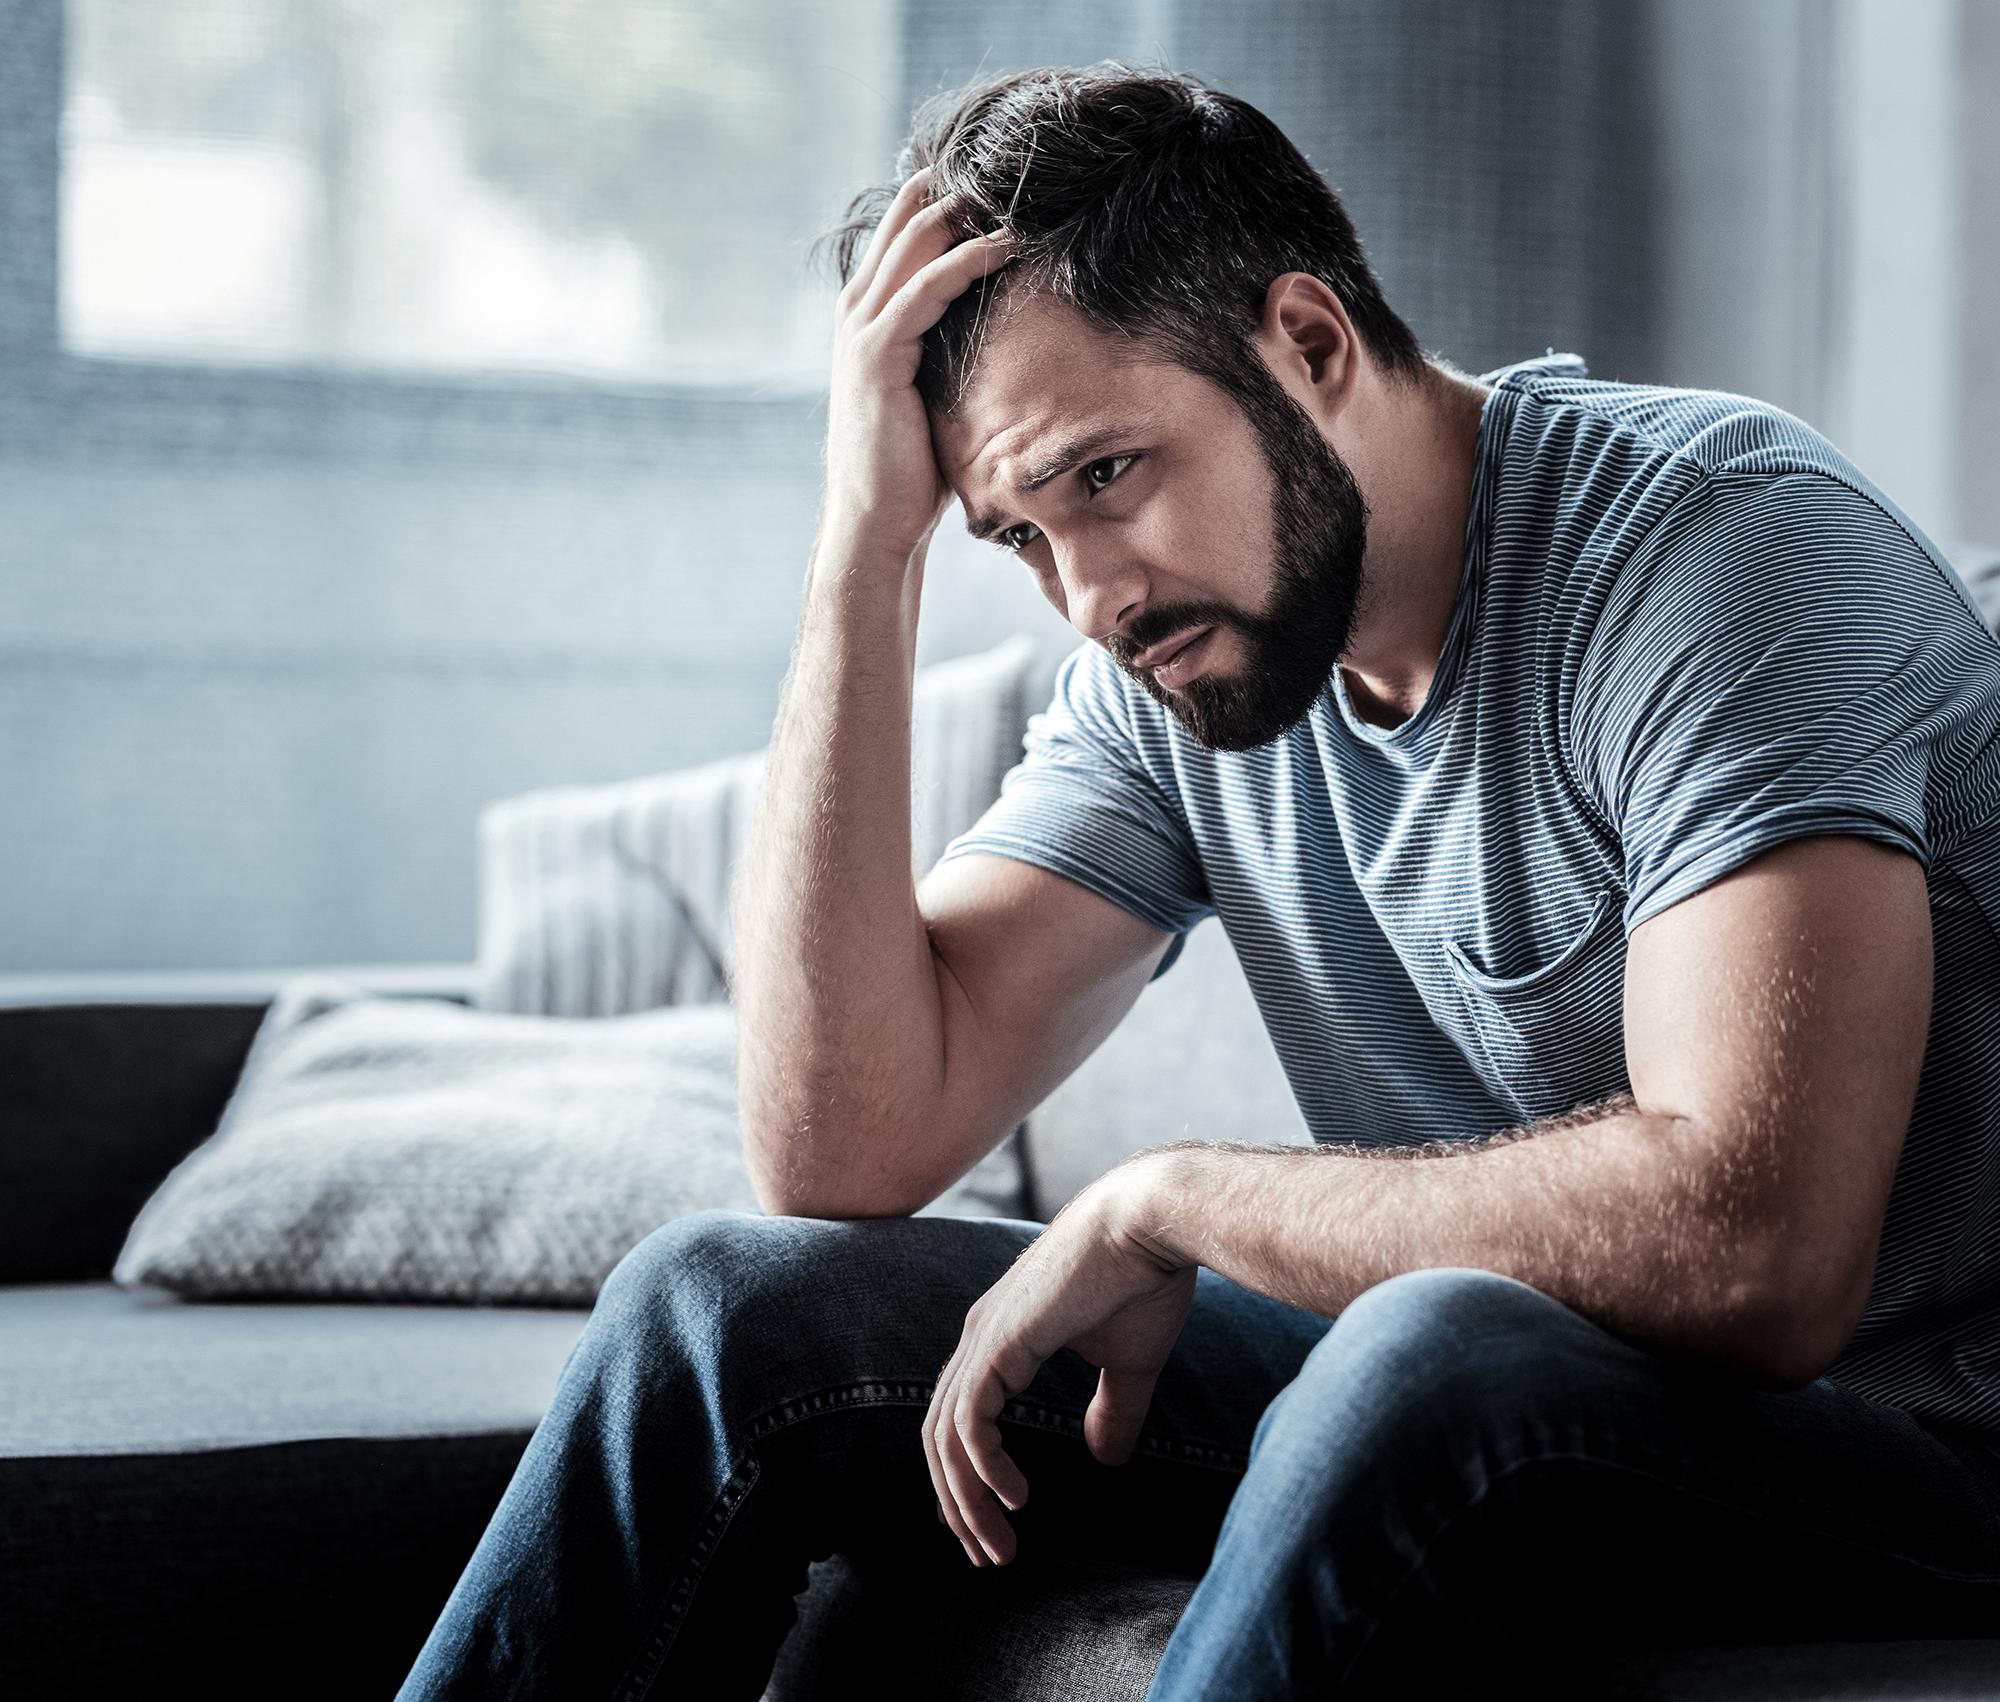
(960, 1492)
(976, 1434)
(933, 1426)
(1116, 1415)
(979, 1434)
(909, 201)
(929, 232)
(921, 302)
(947, 1504)
(973, 1501)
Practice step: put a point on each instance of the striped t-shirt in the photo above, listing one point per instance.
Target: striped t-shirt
(1687, 630)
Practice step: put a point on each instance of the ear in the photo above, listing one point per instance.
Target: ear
(1308, 342)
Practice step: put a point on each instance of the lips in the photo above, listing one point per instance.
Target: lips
(1184, 663)
(1160, 655)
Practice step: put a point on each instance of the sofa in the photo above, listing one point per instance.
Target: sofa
(274, 1499)
(271, 1498)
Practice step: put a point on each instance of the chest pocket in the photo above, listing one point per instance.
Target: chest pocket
(1550, 1037)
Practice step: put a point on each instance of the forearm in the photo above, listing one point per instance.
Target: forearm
(841, 1030)
(1622, 1215)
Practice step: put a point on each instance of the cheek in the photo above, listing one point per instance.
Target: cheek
(1209, 549)
(1049, 583)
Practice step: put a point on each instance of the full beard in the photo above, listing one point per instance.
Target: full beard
(1320, 534)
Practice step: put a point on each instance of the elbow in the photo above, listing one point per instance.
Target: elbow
(1796, 1328)
(805, 1153)
(787, 1189)
(776, 1201)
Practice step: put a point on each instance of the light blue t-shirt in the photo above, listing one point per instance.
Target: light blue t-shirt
(1687, 631)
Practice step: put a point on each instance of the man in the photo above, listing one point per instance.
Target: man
(1601, 787)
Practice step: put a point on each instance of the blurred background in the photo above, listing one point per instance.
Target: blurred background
(404, 403)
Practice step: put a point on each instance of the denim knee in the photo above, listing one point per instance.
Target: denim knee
(1445, 1351)
(1453, 1312)
(707, 1253)
(703, 1278)
(765, 1307)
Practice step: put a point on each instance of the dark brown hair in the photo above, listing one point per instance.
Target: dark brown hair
(1158, 207)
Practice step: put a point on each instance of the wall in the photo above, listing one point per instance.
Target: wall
(264, 651)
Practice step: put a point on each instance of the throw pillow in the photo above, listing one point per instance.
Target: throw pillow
(598, 900)
(414, 1149)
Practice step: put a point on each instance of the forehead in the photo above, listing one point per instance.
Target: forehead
(1044, 371)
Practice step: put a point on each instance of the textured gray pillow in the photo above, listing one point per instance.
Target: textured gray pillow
(413, 1149)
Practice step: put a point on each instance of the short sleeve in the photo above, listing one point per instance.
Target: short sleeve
(1781, 659)
(1084, 803)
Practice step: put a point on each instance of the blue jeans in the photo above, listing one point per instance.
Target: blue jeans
(1457, 1474)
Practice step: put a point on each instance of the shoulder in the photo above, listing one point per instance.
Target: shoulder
(1747, 554)
(1093, 696)
(1703, 517)
(1557, 409)
(1098, 718)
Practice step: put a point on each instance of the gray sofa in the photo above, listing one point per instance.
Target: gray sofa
(264, 1500)
(272, 1499)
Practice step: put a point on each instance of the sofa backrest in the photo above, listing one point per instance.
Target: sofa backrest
(1190, 1062)
(97, 1103)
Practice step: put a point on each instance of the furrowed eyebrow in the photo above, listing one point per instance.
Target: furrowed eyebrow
(1065, 457)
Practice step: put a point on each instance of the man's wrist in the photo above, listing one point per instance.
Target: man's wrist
(1147, 1200)
(848, 542)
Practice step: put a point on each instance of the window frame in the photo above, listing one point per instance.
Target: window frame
(54, 400)
(58, 400)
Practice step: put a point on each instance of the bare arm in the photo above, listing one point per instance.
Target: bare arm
(888, 1043)
(890, 1038)
(1729, 1209)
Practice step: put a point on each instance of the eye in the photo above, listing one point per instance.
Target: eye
(1098, 475)
(1101, 473)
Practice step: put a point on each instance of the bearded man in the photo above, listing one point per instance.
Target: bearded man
(1600, 785)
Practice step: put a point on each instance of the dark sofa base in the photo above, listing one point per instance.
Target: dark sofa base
(1094, 1634)
(272, 1502)
(305, 1570)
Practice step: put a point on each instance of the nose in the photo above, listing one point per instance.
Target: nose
(1100, 593)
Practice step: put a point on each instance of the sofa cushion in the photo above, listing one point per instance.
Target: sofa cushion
(94, 1369)
(1192, 1061)
(1021, 1633)
(416, 1149)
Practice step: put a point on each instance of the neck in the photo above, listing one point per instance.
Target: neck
(1416, 475)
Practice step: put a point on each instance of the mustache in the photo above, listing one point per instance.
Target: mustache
(1155, 627)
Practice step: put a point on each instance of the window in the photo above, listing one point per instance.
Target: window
(612, 188)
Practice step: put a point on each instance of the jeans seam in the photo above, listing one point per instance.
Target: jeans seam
(640, 1676)
(1493, 1478)
(722, 1512)
(1019, 1410)
(1211, 1455)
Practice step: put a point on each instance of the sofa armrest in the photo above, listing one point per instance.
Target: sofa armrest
(228, 986)
(106, 1083)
